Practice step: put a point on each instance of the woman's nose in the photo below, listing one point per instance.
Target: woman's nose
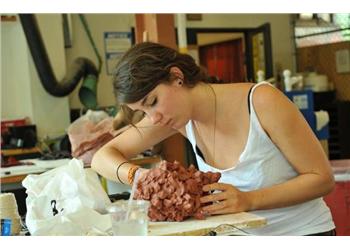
(156, 117)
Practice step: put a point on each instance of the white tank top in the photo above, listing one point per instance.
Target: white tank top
(260, 165)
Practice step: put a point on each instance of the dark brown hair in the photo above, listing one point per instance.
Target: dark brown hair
(146, 65)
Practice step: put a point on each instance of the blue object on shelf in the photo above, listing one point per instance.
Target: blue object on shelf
(304, 100)
(323, 134)
(5, 227)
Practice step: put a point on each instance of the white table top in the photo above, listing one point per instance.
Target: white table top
(38, 167)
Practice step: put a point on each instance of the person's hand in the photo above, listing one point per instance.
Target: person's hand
(228, 200)
(142, 172)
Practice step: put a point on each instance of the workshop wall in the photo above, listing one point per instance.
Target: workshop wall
(98, 24)
(322, 59)
(22, 94)
(281, 36)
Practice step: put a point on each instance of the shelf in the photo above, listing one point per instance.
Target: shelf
(19, 151)
(8, 18)
(146, 160)
(136, 161)
(13, 179)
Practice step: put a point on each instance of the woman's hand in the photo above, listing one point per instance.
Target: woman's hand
(142, 172)
(229, 200)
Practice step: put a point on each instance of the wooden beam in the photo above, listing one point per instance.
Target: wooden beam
(160, 28)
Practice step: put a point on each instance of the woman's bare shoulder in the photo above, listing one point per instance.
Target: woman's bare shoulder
(238, 85)
(273, 107)
(267, 96)
(234, 89)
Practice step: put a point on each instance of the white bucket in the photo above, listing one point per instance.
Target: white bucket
(9, 210)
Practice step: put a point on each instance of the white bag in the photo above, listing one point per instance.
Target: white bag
(68, 200)
(89, 133)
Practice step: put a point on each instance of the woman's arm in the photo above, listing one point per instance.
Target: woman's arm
(288, 129)
(125, 146)
(290, 132)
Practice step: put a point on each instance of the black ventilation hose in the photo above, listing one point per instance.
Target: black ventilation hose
(82, 67)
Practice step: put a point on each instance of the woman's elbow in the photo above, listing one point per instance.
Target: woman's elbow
(96, 160)
(329, 184)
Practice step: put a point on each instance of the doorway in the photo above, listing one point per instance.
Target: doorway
(255, 44)
(224, 60)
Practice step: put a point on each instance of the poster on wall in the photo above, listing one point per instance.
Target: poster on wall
(116, 44)
(342, 59)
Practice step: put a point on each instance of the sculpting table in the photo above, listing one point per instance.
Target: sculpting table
(228, 224)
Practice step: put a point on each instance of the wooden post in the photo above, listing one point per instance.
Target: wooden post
(160, 28)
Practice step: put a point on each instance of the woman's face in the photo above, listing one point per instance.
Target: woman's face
(166, 105)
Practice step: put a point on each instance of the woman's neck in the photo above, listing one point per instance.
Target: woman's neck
(203, 103)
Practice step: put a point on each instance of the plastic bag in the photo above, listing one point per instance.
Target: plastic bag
(89, 133)
(67, 200)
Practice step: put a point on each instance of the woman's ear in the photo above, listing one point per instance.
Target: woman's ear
(177, 74)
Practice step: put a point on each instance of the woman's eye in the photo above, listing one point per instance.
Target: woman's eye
(154, 102)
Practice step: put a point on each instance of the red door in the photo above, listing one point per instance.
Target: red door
(224, 60)
(339, 203)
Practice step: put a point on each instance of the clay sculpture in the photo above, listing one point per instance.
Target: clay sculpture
(174, 191)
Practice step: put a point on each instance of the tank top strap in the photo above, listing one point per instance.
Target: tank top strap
(250, 96)
(257, 136)
(190, 133)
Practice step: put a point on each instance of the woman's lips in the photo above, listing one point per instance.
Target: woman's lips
(168, 122)
(172, 124)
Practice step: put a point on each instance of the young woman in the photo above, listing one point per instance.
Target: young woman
(270, 161)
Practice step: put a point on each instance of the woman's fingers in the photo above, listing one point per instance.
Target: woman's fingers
(214, 197)
(226, 210)
(214, 207)
(216, 186)
(229, 200)
(142, 172)
(223, 207)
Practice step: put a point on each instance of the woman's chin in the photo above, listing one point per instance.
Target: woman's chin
(177, 125)
(174, 125)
